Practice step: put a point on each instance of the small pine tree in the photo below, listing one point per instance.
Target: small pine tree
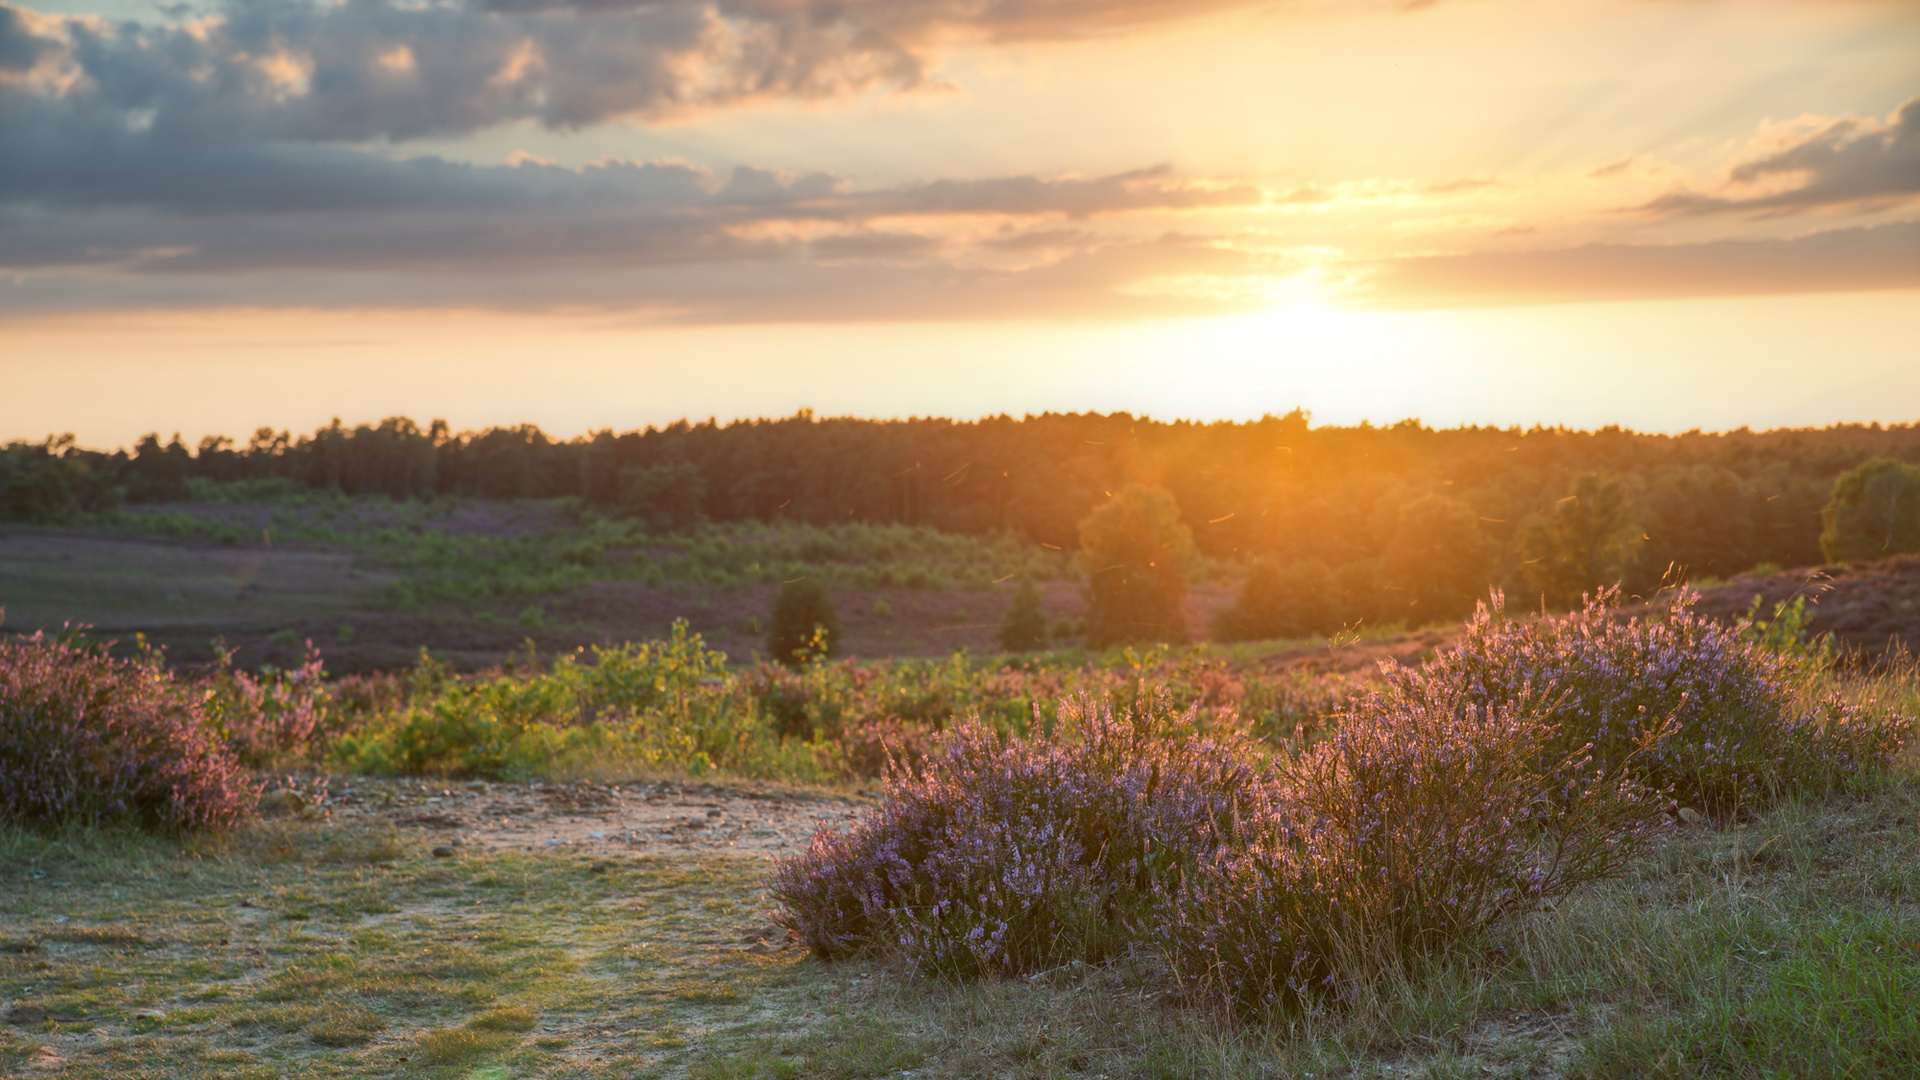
(805, 624)
(1025, 629)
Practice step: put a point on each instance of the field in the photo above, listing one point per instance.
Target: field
(370, 581)
(588, 899)
(1786, 946)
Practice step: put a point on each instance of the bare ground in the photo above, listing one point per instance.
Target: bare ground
(589, 819)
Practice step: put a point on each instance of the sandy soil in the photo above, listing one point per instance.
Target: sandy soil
(595, 819)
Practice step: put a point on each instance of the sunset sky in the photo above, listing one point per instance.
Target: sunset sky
(608, 213)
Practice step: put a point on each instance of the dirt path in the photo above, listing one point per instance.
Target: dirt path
(651, 818)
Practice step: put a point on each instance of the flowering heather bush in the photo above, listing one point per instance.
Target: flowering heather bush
(1415, 827)
(1008, 854)
(271, 717)
(87, 738)
(1742, 731)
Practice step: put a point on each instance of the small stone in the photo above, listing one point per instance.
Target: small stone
(716, 813)
(443, 852)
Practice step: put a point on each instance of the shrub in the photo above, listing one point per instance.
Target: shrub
(268, 718)
(87, 738)
(1742, 732)
(1418, 826)
(805, 624)
(1025, 628)
(1009, 855)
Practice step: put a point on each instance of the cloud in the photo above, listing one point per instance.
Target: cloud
(1846, 163)
(1840, 260)
(313, 71)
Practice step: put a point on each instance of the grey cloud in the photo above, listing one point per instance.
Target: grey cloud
(1041, 240)
(1143, 189)
(307, 70)
(1841, 260)
(1088, 285)
(874, 245)
(1848, 162)
(97, 194)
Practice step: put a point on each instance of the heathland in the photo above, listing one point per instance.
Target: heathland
(1136, 749)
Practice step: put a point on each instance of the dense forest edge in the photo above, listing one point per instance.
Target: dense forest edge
(1352, 524)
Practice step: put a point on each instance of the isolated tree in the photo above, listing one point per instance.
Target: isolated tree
(805, 625)
(1874, 512)
(1438, 558)
(1136, 552)
(1025, 628)
(1584, 543)
(1276, 601)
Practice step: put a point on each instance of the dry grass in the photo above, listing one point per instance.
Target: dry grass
(1781, 947)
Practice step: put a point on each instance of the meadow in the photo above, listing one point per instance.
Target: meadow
(484, 788)
(1773, 936)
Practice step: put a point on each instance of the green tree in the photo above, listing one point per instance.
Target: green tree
(1439, 558)
(1136, 552)
(1025, 629)
(1874, 512)
(1278, 601)
(1585, 542)
(1360, 596)
(805, 625)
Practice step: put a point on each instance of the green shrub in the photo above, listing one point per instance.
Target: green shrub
(1025, 627)
(805, 625)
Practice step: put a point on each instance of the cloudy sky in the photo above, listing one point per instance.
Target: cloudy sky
(586, 213)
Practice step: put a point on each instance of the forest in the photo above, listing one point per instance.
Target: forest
(1336, 525)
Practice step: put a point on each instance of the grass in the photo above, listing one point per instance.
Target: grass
(1786, 946)
(322, 951)
(537, 547)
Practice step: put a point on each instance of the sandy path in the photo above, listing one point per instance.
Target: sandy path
(658, 818)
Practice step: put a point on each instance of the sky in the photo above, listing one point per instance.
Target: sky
(1667, 214)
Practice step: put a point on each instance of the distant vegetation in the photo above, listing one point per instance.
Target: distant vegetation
(1322, 529)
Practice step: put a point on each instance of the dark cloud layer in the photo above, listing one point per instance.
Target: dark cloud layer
(1846, 163)
(1840, 260)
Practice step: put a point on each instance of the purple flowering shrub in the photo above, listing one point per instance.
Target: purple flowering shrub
(1418, 825)
(1008, 855)
(270, 717)
(1739, 731)
(87, 738)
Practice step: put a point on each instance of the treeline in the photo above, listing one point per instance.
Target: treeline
(1277, 488)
